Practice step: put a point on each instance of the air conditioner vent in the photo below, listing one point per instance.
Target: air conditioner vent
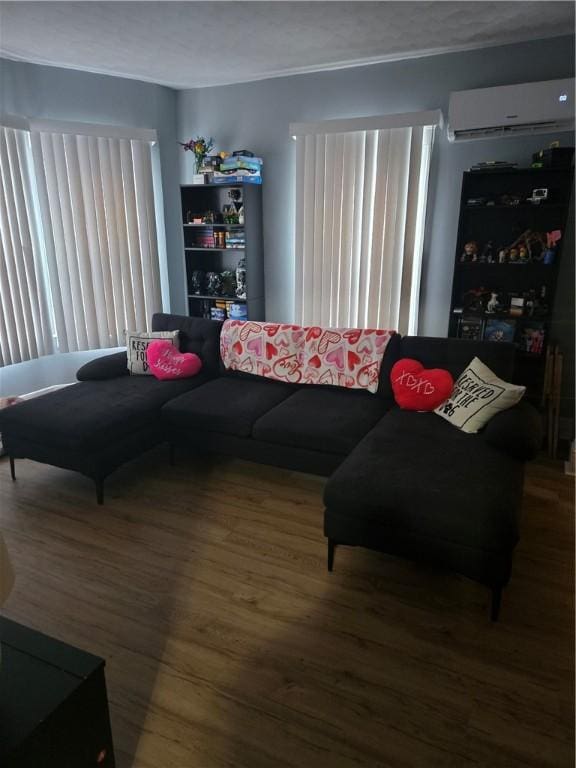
(511, 110)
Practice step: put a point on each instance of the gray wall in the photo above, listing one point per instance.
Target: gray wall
(66, 94)
(257, 115)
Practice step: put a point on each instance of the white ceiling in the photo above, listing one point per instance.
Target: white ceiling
(196, 44)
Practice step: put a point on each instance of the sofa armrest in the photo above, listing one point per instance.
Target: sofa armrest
(518, 431)
(105, 367)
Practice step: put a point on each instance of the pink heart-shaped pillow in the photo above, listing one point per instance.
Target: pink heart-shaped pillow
(417, 388)
(167, 363)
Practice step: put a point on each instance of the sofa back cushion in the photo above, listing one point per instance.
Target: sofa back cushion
(392, 354)
(202, 337)
(455, 355)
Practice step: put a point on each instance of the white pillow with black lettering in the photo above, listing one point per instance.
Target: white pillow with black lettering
(478, 395)
(137, 344)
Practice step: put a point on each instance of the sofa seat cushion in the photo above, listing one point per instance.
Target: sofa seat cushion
(228, 405)
(91, 415)
(322, 419)
(415, 475)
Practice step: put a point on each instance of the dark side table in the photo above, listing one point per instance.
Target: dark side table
(53, 705)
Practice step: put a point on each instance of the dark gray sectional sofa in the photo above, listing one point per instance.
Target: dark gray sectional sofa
(401, 482)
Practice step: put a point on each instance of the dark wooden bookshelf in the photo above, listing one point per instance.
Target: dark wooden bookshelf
(198, 200)
(535, 281)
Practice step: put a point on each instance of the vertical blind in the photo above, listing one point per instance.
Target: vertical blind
(360, 212)
(25, 330)
(97, 209)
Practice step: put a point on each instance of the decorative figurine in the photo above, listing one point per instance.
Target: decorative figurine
(197, 279)
(530, 302)
(552, 239)
(513, 256)
(470, 252)
(213, 283)
(502, 256)
(487, 255)
(541, 304)
(523, 253)
(493, 303)
(241, 279)
(473, 299)
(230, 214)
(228, 283)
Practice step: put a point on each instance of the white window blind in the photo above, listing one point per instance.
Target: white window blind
(99, 230)
(25, 330)
(360, 211)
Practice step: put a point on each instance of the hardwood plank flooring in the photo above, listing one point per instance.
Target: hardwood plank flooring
(229, 645)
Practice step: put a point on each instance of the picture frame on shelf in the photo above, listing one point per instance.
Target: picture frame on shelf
(499, 330)
(470, 328)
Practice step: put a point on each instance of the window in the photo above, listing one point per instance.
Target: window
(87, 207)
(25, 329)
(361, 189)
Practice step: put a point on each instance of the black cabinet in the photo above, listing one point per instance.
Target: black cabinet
(223, 232)
(53, 705)
(510, 242)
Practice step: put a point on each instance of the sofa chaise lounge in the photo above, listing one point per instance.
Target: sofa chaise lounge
(400, 482)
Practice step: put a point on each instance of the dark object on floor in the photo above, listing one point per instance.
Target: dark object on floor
(54, 706)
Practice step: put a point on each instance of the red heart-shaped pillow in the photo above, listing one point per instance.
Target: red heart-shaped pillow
(167, 363)
(417, 388)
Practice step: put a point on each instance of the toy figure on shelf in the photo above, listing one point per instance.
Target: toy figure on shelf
(241, 279)
(513, 255)
(473, 299)
(470, 252)
(533, 243)
(228, 283)
(549, 253)
(487, 255)
(197, 281)
(493, 303)
(523, 253)
(530, 302)
(213, 283)
(502, 256)
(541, 303)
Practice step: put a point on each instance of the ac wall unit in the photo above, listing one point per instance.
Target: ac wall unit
(511, 110)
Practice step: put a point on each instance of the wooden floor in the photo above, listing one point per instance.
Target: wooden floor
(229, 645)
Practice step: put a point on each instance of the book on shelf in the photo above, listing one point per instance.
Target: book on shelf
(533, 337)
(204, 241)
(224, 178)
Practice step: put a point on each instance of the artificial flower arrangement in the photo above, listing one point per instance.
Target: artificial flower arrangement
(201, 147)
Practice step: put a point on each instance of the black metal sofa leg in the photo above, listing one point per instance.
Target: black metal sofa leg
(496, 600)
(12, 468)
(331, 550)
(99, 483)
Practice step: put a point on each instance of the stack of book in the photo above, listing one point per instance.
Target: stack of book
(235, 239)
(204, 240)
(239, 168)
